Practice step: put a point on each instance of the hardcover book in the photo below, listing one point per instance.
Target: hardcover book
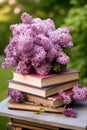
(43, 92)
(20, 106)
(48, 80)
(52, 101)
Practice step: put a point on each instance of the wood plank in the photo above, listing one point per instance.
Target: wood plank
(28, 126)
(18, 128)
(33, 124)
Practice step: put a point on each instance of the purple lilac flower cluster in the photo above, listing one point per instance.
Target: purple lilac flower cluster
(66, 98)
(35, 44)
(69, 112)
(16, 95)
(80, 93)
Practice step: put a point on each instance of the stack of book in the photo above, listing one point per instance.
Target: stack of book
(43, 90)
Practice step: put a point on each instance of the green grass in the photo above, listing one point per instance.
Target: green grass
(5, 75)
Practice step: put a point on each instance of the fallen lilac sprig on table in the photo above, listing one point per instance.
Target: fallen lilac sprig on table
(70, 112)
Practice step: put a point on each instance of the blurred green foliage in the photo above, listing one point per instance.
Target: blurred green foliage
(64, 13)
(77, 18)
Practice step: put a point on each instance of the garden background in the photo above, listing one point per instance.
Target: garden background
(64, 13)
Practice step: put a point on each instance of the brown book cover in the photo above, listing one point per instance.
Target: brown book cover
(52, 101)
(43, 92)
(43, 81)
(38, 108)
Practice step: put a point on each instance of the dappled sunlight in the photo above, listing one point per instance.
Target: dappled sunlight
(2, 1)
(17, 10)
(3, 14)
(11, 2)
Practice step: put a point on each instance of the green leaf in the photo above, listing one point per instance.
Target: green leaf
(55, 67)
(41, 110)
(62, 67)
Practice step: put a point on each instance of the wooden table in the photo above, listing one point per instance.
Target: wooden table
(55, 121)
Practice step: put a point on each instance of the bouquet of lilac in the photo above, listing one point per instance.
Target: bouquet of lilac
(36, 45)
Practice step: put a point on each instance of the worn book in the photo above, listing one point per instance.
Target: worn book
(52, 101)
(48, 80)
(43, 92)
(38, 108)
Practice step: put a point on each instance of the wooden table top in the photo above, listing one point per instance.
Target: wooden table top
(58, 120)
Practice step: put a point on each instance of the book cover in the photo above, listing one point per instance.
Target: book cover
(20, 106)
(43, 81)
(43, 92)
(52, 101)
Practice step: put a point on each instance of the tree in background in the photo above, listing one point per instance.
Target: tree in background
(77, 18)
(64, 13)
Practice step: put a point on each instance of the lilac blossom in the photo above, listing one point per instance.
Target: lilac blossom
(58, 48)
(43, 26)
(64, 97)
(23, 67)
(70, 112)
(43, 41)
(11, 49)
(36, 43)
(37, 28)
(18, 29)
(26, 43)
(36, 20)
(61, 38)
(44, 69)
(37, 60)
(51, 54)
(39, 55)
(26, 18)
(69, 45)
(49, 24)
(65, 30)
(62, 58)
(80, 93)
(16, 95)
(9, 62)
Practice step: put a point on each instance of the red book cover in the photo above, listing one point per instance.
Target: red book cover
(57, 96)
